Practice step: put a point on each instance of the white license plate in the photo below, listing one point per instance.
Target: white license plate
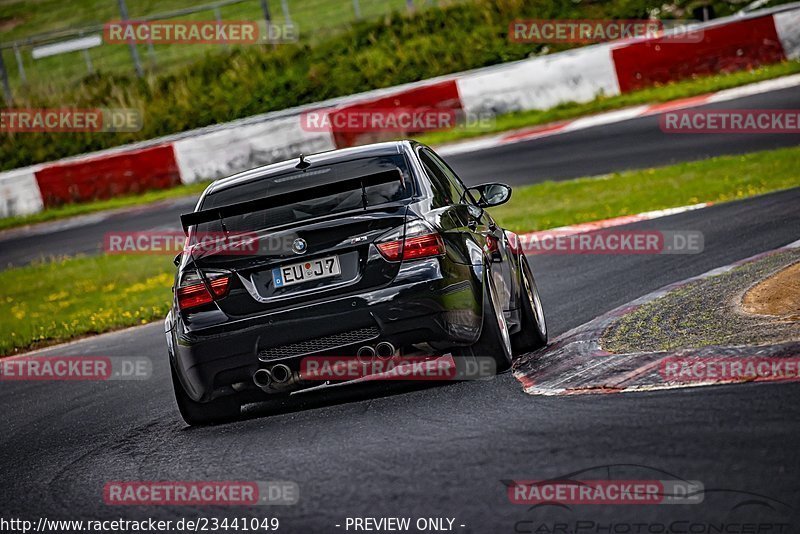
(306, 271)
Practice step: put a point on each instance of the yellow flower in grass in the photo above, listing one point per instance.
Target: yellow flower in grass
(163, 280)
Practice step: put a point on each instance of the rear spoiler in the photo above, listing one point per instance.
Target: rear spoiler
(249, 206)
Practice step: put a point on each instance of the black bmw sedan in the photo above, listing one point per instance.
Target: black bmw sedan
(374, 252)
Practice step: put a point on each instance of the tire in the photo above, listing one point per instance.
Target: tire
(204, 413)
(533, 330)
(495, 340)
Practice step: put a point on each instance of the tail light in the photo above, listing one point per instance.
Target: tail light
(420, 241)
(514, 244)
(194, 291)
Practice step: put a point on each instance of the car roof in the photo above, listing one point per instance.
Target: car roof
(321, 158)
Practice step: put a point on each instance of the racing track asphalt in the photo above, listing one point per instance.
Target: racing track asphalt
(432, 451)
(635, 143)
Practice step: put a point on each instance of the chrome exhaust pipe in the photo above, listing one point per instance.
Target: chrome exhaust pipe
(281, 373)
(262, 378)
(365, 354)
(384, 350)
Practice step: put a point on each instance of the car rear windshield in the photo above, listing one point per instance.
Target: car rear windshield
(323, 203)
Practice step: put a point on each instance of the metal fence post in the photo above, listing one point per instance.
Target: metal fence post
(20, 66)
(265, 9)
(88, 59)
(287, 17)
(357, 8)
(218, 18)
(137, 64)
(268, 18)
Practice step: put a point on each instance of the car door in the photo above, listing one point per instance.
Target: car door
(479, 223)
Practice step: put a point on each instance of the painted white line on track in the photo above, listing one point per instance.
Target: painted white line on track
(616, 221)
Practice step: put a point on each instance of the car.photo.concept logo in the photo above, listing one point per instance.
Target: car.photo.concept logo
(580, 503)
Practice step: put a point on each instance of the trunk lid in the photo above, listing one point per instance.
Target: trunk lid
(346, 240)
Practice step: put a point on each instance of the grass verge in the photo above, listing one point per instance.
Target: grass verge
(653, 95)
(721, 179)
(60, 300)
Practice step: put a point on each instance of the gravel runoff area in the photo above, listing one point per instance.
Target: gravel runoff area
(753, 304)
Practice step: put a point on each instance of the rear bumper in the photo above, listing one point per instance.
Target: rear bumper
(422, 305)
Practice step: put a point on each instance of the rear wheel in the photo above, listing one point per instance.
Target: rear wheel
(533, 330)
(203, 413)
(495, 340)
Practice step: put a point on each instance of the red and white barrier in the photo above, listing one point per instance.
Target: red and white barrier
(224, 152)
(108, 176)
(540, 83)
(438, 94)
(731, 46)
(787, 25)
(537, 83)
(19, 192)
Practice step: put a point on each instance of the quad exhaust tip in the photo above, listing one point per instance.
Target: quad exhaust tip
(365, 354)
(262, 378)
(281, 373)
(384, 350)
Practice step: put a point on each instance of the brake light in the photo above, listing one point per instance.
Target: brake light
(197, 294)
(392, 251)
(421, 241)
(423, 246)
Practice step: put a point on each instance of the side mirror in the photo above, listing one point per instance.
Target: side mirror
(489, 195)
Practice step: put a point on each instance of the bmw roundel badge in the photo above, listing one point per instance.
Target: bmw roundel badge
(299, 246)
